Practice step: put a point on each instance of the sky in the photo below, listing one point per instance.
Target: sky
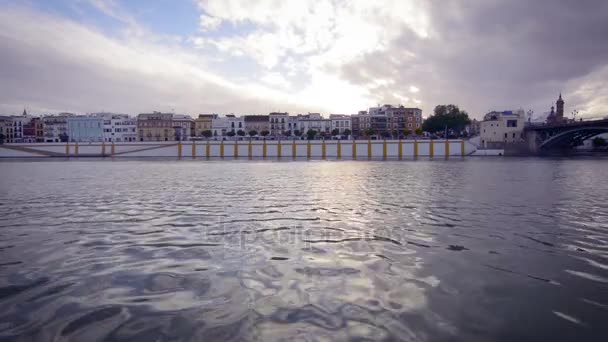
(328, 56)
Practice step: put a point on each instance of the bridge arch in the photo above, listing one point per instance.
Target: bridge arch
(572, 138)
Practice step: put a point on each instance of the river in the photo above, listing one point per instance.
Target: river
(467, 249)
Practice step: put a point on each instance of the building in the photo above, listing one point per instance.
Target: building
(387, 120)
(220, 126)
(500, 128)
(356, 123)
(55, 127)
(155, 126)
(235, 123)
(557, 113)
(314, 121)
(19, 124)
(183, 127)
(278, 123)
(203, 124)
(6, 129)
(257, 123)
(292, 126)
(33, 131)
(413, 119)
(118, 127)
(341, 122)
(84, 129)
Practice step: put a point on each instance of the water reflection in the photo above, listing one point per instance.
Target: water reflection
(147, 250)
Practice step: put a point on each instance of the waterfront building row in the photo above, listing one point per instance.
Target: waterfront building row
(387, 120)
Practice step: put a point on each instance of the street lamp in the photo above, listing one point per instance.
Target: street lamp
(574, 114)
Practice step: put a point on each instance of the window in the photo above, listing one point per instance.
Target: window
(513, 135)
(505, 135)
(511, 123)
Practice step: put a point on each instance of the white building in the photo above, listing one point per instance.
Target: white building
(220, 126)
(315, 122)
(500, 128)
(340, 122)
(118, 127)
(182, 127)
(235, 123)
(278, 123)
(19, 123)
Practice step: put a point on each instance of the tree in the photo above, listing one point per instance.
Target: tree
(370, 132)
(264, 133)
(297, 133)
(449, 116)
(335, 132)
(253, 133)
(347, 132)
(207, 133)
(407, 132)
(240, 133)
(599, 142)
(230, 133)
(418, 131)
(394, 133)
(287, 133)
(311, 133)
(386, 134)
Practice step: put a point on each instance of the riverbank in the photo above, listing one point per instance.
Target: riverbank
(316, 149)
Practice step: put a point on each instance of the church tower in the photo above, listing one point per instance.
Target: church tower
(560, 108)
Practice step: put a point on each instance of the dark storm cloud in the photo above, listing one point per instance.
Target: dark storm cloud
(498, 53)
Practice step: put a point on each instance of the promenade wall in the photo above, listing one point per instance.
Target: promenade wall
(315, 149)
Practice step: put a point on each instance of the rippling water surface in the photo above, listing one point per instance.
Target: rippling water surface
(475, 249)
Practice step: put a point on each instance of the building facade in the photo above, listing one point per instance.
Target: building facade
(278, 123)
(6, 129)
(155, 126)
(19, 124)
(220, 126)
(203, 124)
(235, 123)
(33, 131)
(257, 123)
(118, 127)
(500, 128)
(314, 121)
(341, 122)
(55, 127)
(183, 127)
(84, 129)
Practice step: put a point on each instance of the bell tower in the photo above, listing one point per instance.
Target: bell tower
(560, 108)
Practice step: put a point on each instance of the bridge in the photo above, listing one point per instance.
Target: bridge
(547, 138)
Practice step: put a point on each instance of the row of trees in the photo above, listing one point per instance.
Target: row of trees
(311, 133)
(447, 117)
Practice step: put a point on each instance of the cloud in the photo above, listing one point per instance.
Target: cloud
(314, 55)
(53, 64)
(487, 55)
(209, 23)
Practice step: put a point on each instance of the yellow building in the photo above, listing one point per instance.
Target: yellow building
(155, 127)
(203, 123)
